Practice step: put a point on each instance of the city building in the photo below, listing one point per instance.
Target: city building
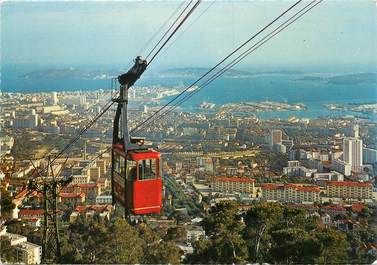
(30, 213)
(102, 164)
(314, 164)
(298, 154)
(88, 211)
(26, 122)
(204, 164)
(349, 189)
(94, 173)
(369, 155)
(28, 253)
(336, 154)
(356, 131)
(52, 109)
(233, 185)
(353, 153)
(341, 167)
(290, 193)
(194, 233)
(90, 189)
(329, 176)
(104, 199)
(276, 137)
(288, 143)
(74, 198)
(82, 100)
(280, 148)
(36, 222)
(80, 179)
(293, 163)
(6, 144)
(54, 98)
(298, 171)
(103, 183)
(334, 210)
(14, 239)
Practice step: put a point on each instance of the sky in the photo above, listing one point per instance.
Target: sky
(61, 33)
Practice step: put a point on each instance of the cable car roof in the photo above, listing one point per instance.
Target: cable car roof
(144, 154)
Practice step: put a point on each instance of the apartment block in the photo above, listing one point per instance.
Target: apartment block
(349, 189)
(290, 193)
(233, 185)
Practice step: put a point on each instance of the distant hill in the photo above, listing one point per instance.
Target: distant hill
(194, 72)
(345, 79)
(68, 73)
(351, 79)
(186, 72)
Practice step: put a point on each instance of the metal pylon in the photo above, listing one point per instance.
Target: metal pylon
(48, 185)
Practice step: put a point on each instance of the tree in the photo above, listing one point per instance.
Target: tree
(8, 252)
(69, 254)
(33, 234)
(147, 234)
(6, 203)
(177, 233)
(223, 216)
(156, 250)
(93, 241)
(224, 226)
(202, 252)
(359, 239)
(293, 245)
(294, 217)
(122, 244)
(260, 218)
(333, 246)
(163, 252)
(97, 235)
(224, 248)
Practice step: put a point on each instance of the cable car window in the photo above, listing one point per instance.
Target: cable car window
(147, 169)
(131, 170)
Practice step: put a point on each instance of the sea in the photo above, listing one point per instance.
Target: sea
(288, 88)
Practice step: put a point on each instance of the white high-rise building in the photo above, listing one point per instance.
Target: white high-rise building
(356, 132)
(276, 137)
(54, 98)
(353, 153)
(26, 121)
(82, 100)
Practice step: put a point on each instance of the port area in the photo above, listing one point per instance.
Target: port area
(366, 108)
(265, 106)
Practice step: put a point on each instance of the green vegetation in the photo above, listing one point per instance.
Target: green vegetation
(23, 147)
(26, 148)
(273, 233)
(176, 233)
(6, 204)
(116, 241)
(8, 252)
(266, 232)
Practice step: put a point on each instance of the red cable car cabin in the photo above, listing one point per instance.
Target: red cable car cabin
(139, 184)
